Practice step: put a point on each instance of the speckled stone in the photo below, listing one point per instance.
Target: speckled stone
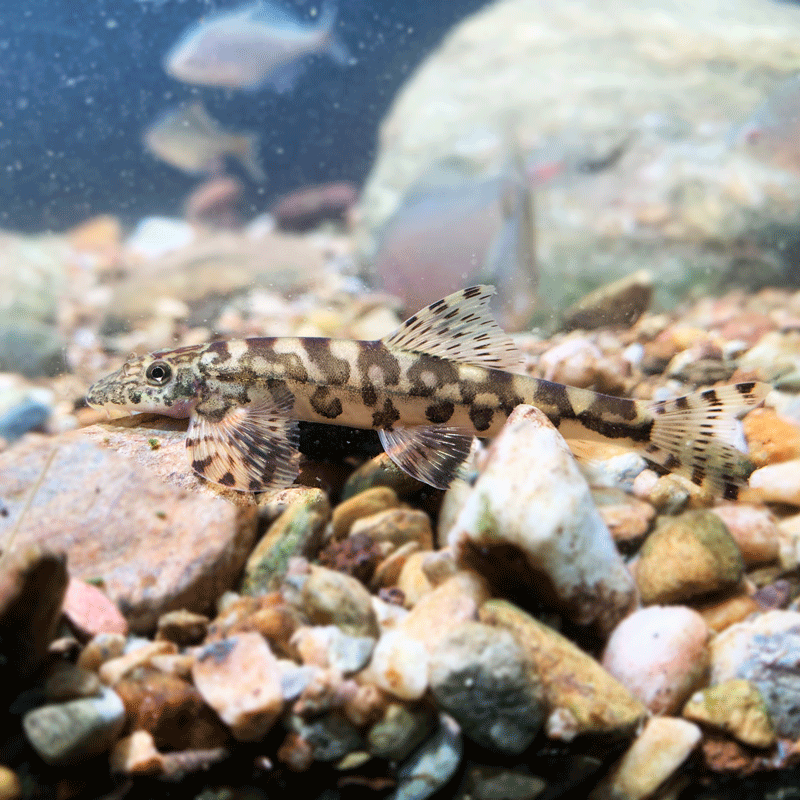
(579, 695)
(763, 650)
(297, 532)
(736, 707)
(330, 597)
(240, 679)
(690, 555)
(477, 674)
(68, 733)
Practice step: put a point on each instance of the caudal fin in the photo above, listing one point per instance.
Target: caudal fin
(700, 436)
(247, 153)
(334, 47)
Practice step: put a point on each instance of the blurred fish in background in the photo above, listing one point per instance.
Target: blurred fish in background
(772, 132)
(453, 230)
(253, 46)
(188, 138)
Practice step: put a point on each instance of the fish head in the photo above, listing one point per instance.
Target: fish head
(166, 382)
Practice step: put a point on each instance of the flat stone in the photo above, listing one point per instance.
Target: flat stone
(156, 547)
(330, 597)
(736, 707)
(531, 495)
(297, 532)
(478, 675)
(240, 679)
(686, 556)
(657, 753)
(660, 654)
(579, 695)
(90, 611)
(67, 733)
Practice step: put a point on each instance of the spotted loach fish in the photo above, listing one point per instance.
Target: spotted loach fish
(445, 376)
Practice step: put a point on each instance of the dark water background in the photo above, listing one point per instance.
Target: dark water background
(80, 81)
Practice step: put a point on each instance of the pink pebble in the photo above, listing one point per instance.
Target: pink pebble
(90, 611)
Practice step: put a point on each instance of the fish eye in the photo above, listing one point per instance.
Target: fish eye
(158, 373)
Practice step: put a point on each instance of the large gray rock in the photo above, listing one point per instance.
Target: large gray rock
(576, 81)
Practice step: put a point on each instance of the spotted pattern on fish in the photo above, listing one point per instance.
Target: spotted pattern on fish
(446, 375)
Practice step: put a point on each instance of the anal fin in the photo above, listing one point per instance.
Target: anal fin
(249, 447)
(432, 454)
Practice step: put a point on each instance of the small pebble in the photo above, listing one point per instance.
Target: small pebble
(657, 753)
(10, 784)
(68, 733)
(397, 526)
(136, 755)
(380, 471)
(400, 731)
(100, 649)
(240, 679)
(660, 654)
(412, 580)
(686, 556)
(328, 646)
(432, 765)
(388, 571)
(115, 669)
(90, 610)
(477, 675)
(777, 483)
(736, 707)
(399, 665)
(364, 504)
(330, 597)
(331, 737)
(182, 627)
(754, 530)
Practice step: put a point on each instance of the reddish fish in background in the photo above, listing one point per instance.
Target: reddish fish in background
(772, 132)
(304, 209)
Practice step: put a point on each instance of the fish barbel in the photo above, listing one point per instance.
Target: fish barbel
(428, 388)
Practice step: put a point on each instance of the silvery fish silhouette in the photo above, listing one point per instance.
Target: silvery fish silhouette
(445, 376)
(252, 46)
(191, 140)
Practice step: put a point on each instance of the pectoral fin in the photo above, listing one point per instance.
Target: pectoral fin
(432, 454)
(249, 447)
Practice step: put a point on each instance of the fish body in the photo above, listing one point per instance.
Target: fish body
(772, 132)
(442, 378)
(453, 229)
(191, 140)
(252, 46)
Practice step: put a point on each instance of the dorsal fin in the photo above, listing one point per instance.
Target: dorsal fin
(460, 328)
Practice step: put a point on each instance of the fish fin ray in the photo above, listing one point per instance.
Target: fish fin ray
(248, 448)
(459, 328)
(432, 454)
(700, 436)
(286, 77)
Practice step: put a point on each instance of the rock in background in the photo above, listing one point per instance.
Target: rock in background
(636, 104)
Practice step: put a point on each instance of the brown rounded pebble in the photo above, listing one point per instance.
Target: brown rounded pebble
(364, 504)
(136, 755)
(397, 526)
(182, 627)
(10, 784)
(686, 556)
